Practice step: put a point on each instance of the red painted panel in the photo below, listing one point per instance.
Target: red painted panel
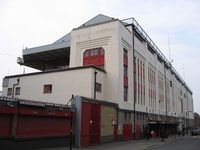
(127, 132)
(85, 124)
(126, 81)
(5, 125)
(101, 60)
(126, 61)
(138, 129)
(40, 112)
(7, 110)
(35, 126)
(86, 61)
(115, 133)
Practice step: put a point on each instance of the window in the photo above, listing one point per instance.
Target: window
(17, 91)
(47, 88)
(125, 71)
(94, 57)
(86, 54)
(91, 52)
(98, 87)
(125, 57)
(101, 51)
(96, 52)
(9, 92)
(125, 94)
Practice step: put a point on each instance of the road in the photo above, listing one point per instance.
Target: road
(180, 143)
(191, 143)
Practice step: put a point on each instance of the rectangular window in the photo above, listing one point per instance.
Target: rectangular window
(9, 92)
(17, 91)
(47, 88)
(92, 52)
(125, 71)
(125, 94)
(98, 87)
(96, 52)
(125, 57)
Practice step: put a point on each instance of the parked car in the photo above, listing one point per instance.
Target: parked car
(195, 132)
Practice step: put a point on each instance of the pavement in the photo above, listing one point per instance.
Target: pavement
(127, 145)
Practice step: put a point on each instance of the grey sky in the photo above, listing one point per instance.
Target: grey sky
(30, 23)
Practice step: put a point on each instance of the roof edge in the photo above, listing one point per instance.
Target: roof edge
(57, 70)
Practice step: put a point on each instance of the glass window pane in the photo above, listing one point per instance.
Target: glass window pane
(86, 53)
(101, 51)
(96, 52)
(91, 52)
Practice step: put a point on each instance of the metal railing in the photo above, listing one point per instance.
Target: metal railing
(144, 35)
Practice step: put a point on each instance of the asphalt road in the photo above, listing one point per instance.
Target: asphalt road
(192, 143)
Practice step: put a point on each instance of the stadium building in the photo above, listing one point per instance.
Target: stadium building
(107, 60)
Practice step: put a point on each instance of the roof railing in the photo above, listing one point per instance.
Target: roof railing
(144, 35)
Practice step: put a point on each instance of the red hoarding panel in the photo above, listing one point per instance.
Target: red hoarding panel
(7, 110)
(35, 126)
(40, 112)
(5, 125)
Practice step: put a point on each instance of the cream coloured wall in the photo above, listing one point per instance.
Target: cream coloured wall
(105, 36)
(125, 42)
(64, 84)
(141, 50)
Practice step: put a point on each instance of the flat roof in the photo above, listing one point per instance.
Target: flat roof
(57, 70)
(48, 47)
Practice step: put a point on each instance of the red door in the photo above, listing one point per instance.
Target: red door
(90, 124)
(85, 124)
(138, 129)
(127, 132)
(115, 133)
(95, 124)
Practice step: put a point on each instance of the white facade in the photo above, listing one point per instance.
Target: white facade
(64, 84)
(161, 90)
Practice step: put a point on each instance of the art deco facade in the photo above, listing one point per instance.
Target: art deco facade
(112, 60)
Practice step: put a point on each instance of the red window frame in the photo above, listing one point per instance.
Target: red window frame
(94, 57)
(125, 57)
(125, 94)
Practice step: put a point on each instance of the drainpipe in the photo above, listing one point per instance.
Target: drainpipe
(15, 116)
(95, 80)
(14, 88)
(165, 93)
(134, 100)
(71, 128)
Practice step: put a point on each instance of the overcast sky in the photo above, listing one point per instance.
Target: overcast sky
(30, 23)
